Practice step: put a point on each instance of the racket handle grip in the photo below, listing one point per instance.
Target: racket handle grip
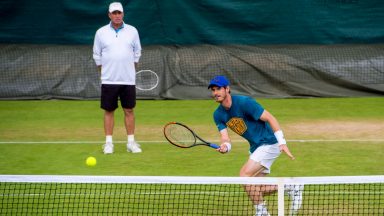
(212, 145)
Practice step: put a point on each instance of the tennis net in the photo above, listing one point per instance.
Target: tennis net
(165, 195)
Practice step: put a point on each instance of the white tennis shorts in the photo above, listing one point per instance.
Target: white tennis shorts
(266, 155)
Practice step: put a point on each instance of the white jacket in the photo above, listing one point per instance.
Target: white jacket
(117, 52)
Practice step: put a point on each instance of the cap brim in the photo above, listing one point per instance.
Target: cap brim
(215, 84)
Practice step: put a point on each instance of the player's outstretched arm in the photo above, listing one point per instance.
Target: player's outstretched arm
(268, 117)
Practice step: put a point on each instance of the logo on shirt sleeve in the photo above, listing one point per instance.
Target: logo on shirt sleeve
(237, 125)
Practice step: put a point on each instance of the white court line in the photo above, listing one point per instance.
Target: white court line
(164, 141)
(339, 140)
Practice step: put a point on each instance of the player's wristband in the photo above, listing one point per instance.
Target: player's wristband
(229, 146)
(280, 137)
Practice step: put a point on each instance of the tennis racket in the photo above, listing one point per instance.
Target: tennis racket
(182, 136)
(146, 80)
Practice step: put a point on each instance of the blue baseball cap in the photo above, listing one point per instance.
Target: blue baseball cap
(219, 81)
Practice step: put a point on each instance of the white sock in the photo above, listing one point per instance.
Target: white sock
(108, 139)
(131, 138)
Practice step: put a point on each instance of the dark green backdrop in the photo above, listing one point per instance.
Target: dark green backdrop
(183, 22)
(268, 48)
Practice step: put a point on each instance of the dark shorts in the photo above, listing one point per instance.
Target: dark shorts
(110, 95)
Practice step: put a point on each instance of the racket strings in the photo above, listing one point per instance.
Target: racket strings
(180, 135)
(146, 80)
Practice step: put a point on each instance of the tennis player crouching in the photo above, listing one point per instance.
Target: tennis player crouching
(249, 119)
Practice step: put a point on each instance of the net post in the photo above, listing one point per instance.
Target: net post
(280, 197)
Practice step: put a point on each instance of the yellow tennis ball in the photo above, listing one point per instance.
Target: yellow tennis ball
(91, 161)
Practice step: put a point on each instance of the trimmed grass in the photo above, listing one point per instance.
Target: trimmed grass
(81, 121)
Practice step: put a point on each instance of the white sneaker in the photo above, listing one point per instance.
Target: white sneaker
(133, 147)
(261, 210)
(295, 193)
(108, 148)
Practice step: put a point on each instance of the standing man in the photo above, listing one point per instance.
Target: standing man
(247, 118)
(116, 51)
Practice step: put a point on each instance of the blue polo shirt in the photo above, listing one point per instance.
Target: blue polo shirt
(243, 117)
